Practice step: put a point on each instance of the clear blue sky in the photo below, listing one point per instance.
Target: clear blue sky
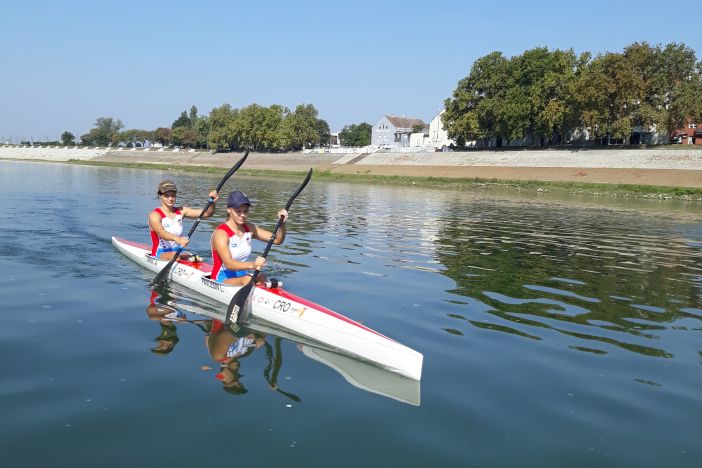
(65, 63)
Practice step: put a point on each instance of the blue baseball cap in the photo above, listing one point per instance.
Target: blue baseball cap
(236, 199)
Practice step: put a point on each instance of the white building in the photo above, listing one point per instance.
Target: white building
(438, 137)
(393, 131)
(419, 139)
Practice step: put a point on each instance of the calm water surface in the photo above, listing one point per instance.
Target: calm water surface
(556, 332)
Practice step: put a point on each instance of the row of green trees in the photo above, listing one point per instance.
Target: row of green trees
(267, 128)
(550, 94)
(356, 135)
(271, 128)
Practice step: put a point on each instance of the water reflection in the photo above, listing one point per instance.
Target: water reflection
(228, 349)
(227, 346)
(617, 280)
(165, 315)
(274, 356)
(601, 274)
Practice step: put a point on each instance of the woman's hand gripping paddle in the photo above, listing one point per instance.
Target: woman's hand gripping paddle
(235, 311)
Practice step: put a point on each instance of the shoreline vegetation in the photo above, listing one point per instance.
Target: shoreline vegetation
(644, 95)
(477, 183)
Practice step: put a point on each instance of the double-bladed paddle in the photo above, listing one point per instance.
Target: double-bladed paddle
(163, 274)
(236, 306)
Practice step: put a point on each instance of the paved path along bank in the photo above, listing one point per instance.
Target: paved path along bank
(663, 167)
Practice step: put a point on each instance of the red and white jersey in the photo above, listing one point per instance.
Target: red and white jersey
(171, 225)
(239, 248)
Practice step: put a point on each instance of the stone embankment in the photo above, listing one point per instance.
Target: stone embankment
(665, 166)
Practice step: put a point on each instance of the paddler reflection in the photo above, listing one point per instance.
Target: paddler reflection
(167, 313)
(228, 348)
(166, 316)
(225, 346)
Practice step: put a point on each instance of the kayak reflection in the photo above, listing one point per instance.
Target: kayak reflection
(228, 348)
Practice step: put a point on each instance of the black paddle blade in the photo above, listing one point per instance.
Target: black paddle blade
(300, 189)
(232, 171)
(163, 274)
(292, 396)
(235, 311)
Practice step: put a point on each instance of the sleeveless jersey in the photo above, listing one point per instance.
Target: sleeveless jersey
(239, 248)
(173, 226)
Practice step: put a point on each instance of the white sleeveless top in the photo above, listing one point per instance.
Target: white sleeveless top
(172, 226)
(239, 248)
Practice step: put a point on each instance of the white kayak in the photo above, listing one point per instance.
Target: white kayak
(290, 312)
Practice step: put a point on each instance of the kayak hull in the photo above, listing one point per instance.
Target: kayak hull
(287, 311)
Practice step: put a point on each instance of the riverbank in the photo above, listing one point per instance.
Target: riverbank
(661, 172)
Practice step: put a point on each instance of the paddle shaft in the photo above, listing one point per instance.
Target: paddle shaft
(280, 222)
(275, 361)
(239, 299)
(165, 270)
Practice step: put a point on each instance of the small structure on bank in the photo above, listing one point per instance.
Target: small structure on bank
(392, 131)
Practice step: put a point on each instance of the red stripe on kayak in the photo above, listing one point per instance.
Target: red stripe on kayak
(277, 291)
(204, 267)
(336, 315)
(133, 244)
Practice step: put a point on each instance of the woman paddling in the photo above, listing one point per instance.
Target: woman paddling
(166, 222)
(231, 242)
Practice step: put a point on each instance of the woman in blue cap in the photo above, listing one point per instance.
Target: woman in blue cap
(231, 242)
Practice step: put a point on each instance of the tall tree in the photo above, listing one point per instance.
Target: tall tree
(67, 138)
(356, 134)
(106, 128)
(222, 134)
(299, 129)
(683, 77)
(259, 127)
(549, 88)
(184, 136)
(475, 110)
(182, 121)
(323, 132)
(202, 130)
(607, 91)
(162, 135)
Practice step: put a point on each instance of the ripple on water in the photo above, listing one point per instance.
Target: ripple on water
(555, 331)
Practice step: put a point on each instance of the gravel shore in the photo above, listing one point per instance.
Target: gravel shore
(662, 167)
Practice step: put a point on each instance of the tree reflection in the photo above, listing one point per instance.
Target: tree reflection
(541, 266)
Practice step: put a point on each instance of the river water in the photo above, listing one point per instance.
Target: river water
(556, 331)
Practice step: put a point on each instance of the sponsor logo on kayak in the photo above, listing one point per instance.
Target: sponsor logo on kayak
(182, 272)
(212, 284)
(258, 298)
(281, 305)
(151, 260)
